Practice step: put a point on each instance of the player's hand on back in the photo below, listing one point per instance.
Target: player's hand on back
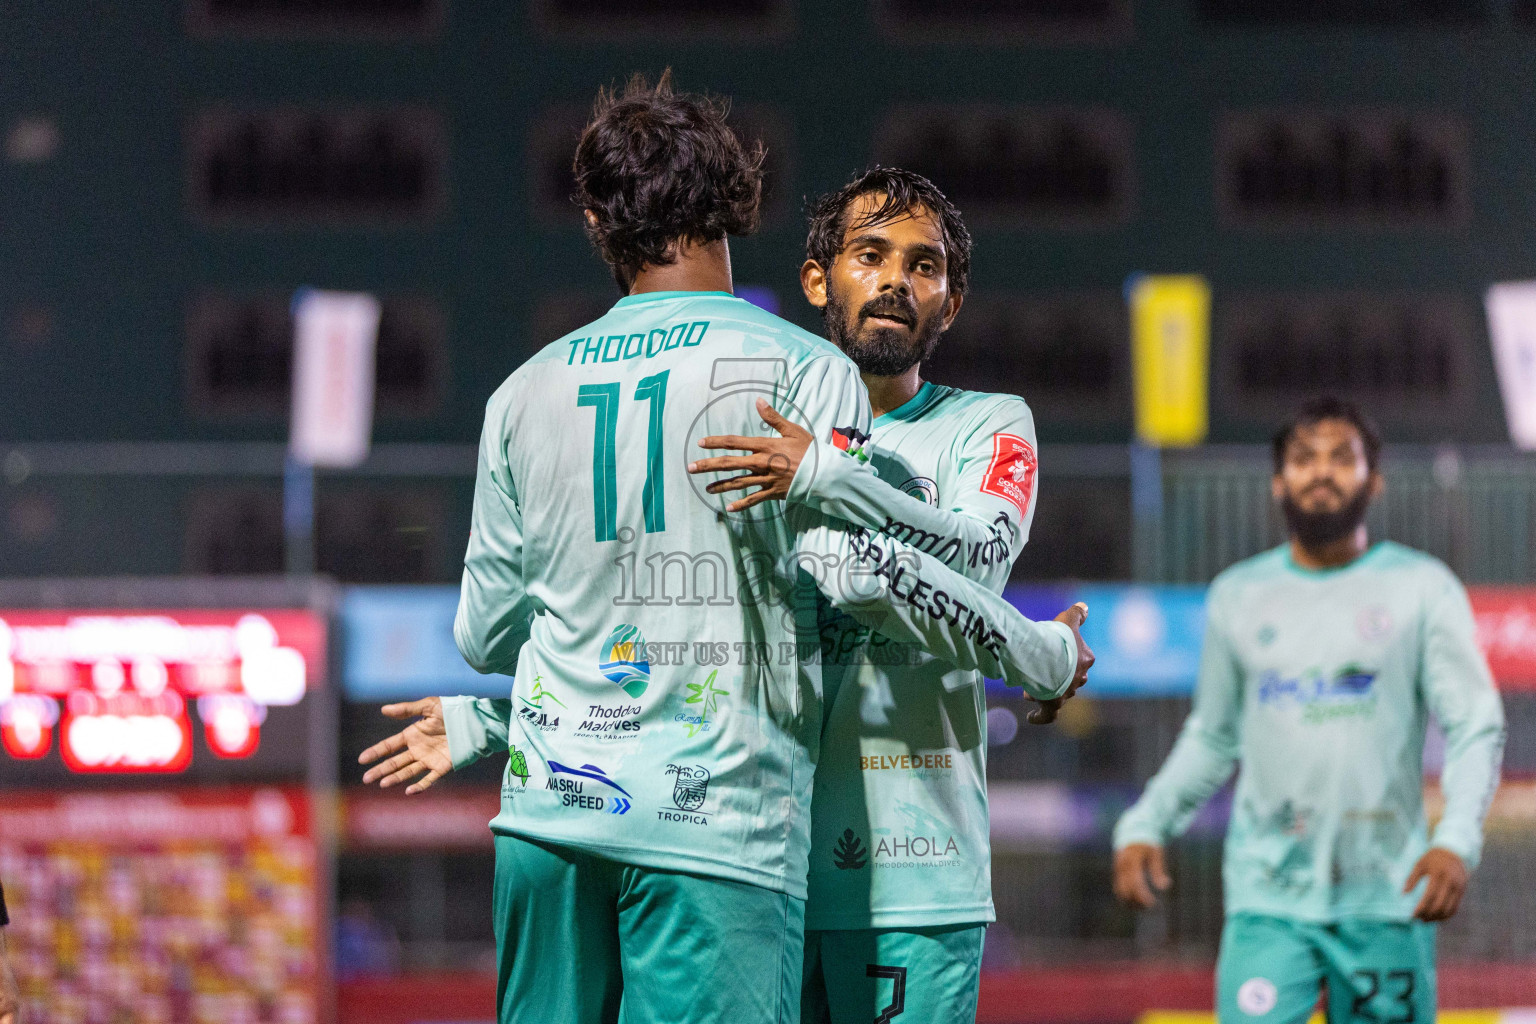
(1073, 617)
(419, 751)
(770, 466)
(1447, 883)
(1134, 864)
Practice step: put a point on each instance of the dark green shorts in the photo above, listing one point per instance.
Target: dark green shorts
(585, 940)
(1377, 972)
(922, 975)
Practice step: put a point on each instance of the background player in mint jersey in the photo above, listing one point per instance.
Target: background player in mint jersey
(1323, 662)
(652, 842)
(900, 874)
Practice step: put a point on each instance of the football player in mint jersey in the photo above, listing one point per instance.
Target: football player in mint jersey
(652, 842)
(1323, 662)
(900, 870)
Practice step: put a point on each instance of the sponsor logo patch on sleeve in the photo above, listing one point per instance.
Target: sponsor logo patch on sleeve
(1011, 474)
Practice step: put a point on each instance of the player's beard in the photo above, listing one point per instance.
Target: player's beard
(1315, 529)
(884, 351)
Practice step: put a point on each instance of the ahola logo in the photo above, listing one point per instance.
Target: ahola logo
(623, 662)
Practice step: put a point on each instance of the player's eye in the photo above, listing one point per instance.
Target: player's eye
(926, 267)
(869, 256)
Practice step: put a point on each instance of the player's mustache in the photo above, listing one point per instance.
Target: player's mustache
(887, 305)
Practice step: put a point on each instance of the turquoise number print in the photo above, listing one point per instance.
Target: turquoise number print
(605, 477)
(653, 389)
(604, 398)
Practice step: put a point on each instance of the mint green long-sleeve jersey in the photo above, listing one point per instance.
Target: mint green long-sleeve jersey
(1319, 685)
(666, 710)
(899, 824)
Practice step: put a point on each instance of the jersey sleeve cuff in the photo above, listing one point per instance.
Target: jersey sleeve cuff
(465, 735)
(1468, 850)
(1069, 648)
(1129, 831)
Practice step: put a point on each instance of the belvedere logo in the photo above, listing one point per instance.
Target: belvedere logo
(517, 764)
(707, 695)
(849, 854)
(690, 787)
(624, 663)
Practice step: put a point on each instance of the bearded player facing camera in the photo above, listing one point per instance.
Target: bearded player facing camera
(900, 868)
(1323, 661)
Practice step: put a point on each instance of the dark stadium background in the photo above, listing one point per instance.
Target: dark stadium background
(1349, 177)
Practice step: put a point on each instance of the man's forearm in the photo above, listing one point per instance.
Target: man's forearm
(850, 490)
(1473, 757)
(911, 597)
(1197, 767)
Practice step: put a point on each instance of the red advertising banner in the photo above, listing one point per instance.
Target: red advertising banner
(165, 907)
(1506, 631)
(114, 686)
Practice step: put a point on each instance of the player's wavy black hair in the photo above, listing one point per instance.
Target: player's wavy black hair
(656, 167)
(904, 192)
(1330, 407)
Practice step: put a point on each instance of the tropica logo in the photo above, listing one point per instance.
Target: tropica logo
(690, 788)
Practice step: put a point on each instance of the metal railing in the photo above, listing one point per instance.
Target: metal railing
(1472, 506)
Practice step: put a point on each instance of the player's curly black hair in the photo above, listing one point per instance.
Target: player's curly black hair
(904, 192)
(656, 167)
(1329, 407)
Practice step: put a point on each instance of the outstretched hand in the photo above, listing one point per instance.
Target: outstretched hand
(771, 466)
(419, 751)
(1447, 883)
(1073, 617)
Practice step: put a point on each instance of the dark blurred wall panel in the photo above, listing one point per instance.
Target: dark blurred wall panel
(172, 172)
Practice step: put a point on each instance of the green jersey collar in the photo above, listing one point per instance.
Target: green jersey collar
(1290, 562)
(635, 300)
(912, 408)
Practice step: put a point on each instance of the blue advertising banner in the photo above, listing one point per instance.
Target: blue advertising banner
(398, 641)
(1145, 639)
(398, 645)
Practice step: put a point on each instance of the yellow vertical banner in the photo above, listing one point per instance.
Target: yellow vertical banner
(1170, 354)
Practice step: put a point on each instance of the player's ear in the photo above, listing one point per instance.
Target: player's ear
(813, 281)
(1276, 488)
(591, 218)
(1377, 485)
(952, 308)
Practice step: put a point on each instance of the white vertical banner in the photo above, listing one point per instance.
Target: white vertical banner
(1512, 325)
(334, 336)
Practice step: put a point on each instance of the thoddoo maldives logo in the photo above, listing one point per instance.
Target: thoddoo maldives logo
(624, 663)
